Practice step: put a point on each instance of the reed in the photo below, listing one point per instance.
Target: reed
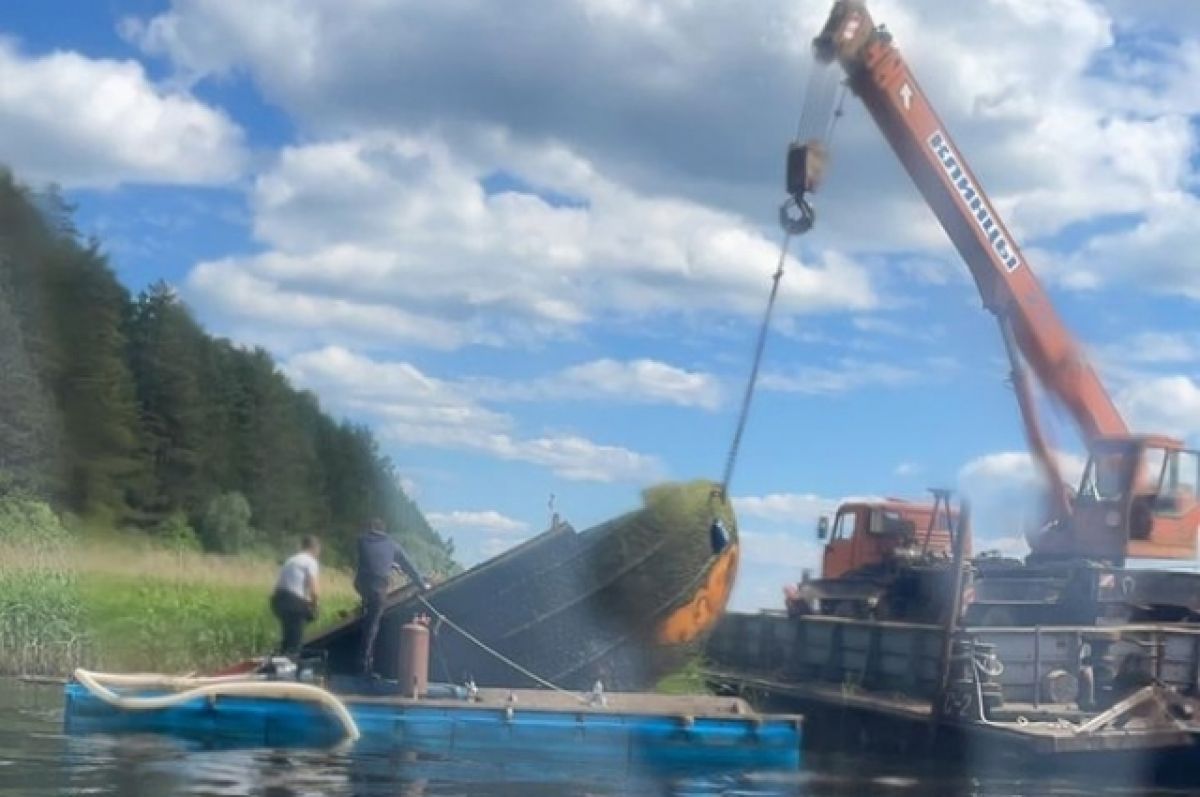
(132, 605)
(41, 624)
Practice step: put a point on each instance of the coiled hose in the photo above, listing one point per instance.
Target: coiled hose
(236, 685)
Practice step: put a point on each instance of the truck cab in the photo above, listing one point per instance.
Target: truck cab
(883, 559)
(866, 533)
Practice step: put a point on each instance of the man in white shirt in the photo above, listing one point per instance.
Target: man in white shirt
(297, 590)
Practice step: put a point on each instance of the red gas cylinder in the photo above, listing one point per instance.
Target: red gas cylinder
(413, 669)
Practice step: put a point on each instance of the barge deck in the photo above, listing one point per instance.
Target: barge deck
(1105, 699)
(629, 733)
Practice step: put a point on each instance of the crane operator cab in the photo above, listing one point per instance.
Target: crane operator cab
(1137, 499)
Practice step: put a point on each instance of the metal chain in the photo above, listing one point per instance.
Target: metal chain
(839, 111)
(756, 363)
(822, 95)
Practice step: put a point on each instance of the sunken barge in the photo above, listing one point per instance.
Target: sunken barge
(623, 603)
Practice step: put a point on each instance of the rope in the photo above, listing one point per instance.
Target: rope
(818, 99)
(756, 363)
(839, 111)
(207, 687)
(822, 94)
(497, 654)
(810, 93)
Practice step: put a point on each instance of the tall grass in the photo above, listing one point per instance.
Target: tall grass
(197, 612)
(122, 604)
(41, 622)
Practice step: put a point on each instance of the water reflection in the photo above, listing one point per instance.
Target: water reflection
(154, 766)
(37, 759)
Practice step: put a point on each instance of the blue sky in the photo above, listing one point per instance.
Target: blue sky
(529, 242)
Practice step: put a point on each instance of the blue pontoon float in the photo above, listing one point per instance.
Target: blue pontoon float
(629, 732)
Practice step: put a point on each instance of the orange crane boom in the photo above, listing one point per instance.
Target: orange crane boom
(1141, 518)
(879, 75)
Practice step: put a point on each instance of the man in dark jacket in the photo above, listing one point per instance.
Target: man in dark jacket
(378, 554)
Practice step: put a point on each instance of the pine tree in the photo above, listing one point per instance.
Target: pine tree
(166, 354)
(29, 433)
(128, 410)
(106, 469)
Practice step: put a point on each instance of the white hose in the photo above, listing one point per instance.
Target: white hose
(206, 687)
(151, 680)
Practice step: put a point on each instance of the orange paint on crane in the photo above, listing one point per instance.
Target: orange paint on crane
(700, 614)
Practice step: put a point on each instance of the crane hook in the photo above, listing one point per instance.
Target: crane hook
(796, 215)
(805, 169)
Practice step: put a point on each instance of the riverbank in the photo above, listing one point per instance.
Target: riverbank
(135, 605)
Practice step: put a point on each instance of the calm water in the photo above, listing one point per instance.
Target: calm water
(37, 759)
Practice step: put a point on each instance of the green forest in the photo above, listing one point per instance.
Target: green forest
(122, 411)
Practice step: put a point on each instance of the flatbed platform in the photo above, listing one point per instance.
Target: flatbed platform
(1013, 696)
(710, 706)
(629, 732)
(1042, 730)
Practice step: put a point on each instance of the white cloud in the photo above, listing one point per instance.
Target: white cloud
(479, 534)
(849, 373)
(646, 380)
(244, 297)
(1154, 253)
(402, 228)
(641, 381)
(1170, 16)
(1015, 468)
(410, 486)
(411, 408)
(778, 543)
(92, 122)
(799, 508)
(1056, 139)
(797, 550)
(1152, 348)
(487, 521)
(571, 457)
(1163, 405)
(1007, 494)
(391, 233)
(398, 390)
(907, 469)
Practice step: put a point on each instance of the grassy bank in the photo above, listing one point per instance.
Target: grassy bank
(121, 605)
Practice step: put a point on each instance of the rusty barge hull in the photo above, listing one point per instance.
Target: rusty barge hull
(869, 685)
(624, 602)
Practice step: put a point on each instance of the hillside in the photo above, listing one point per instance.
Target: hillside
(125, 412)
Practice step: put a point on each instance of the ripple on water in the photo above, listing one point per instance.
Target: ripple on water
(38, 759)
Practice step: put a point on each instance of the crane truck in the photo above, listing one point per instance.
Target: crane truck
(1138, 496)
